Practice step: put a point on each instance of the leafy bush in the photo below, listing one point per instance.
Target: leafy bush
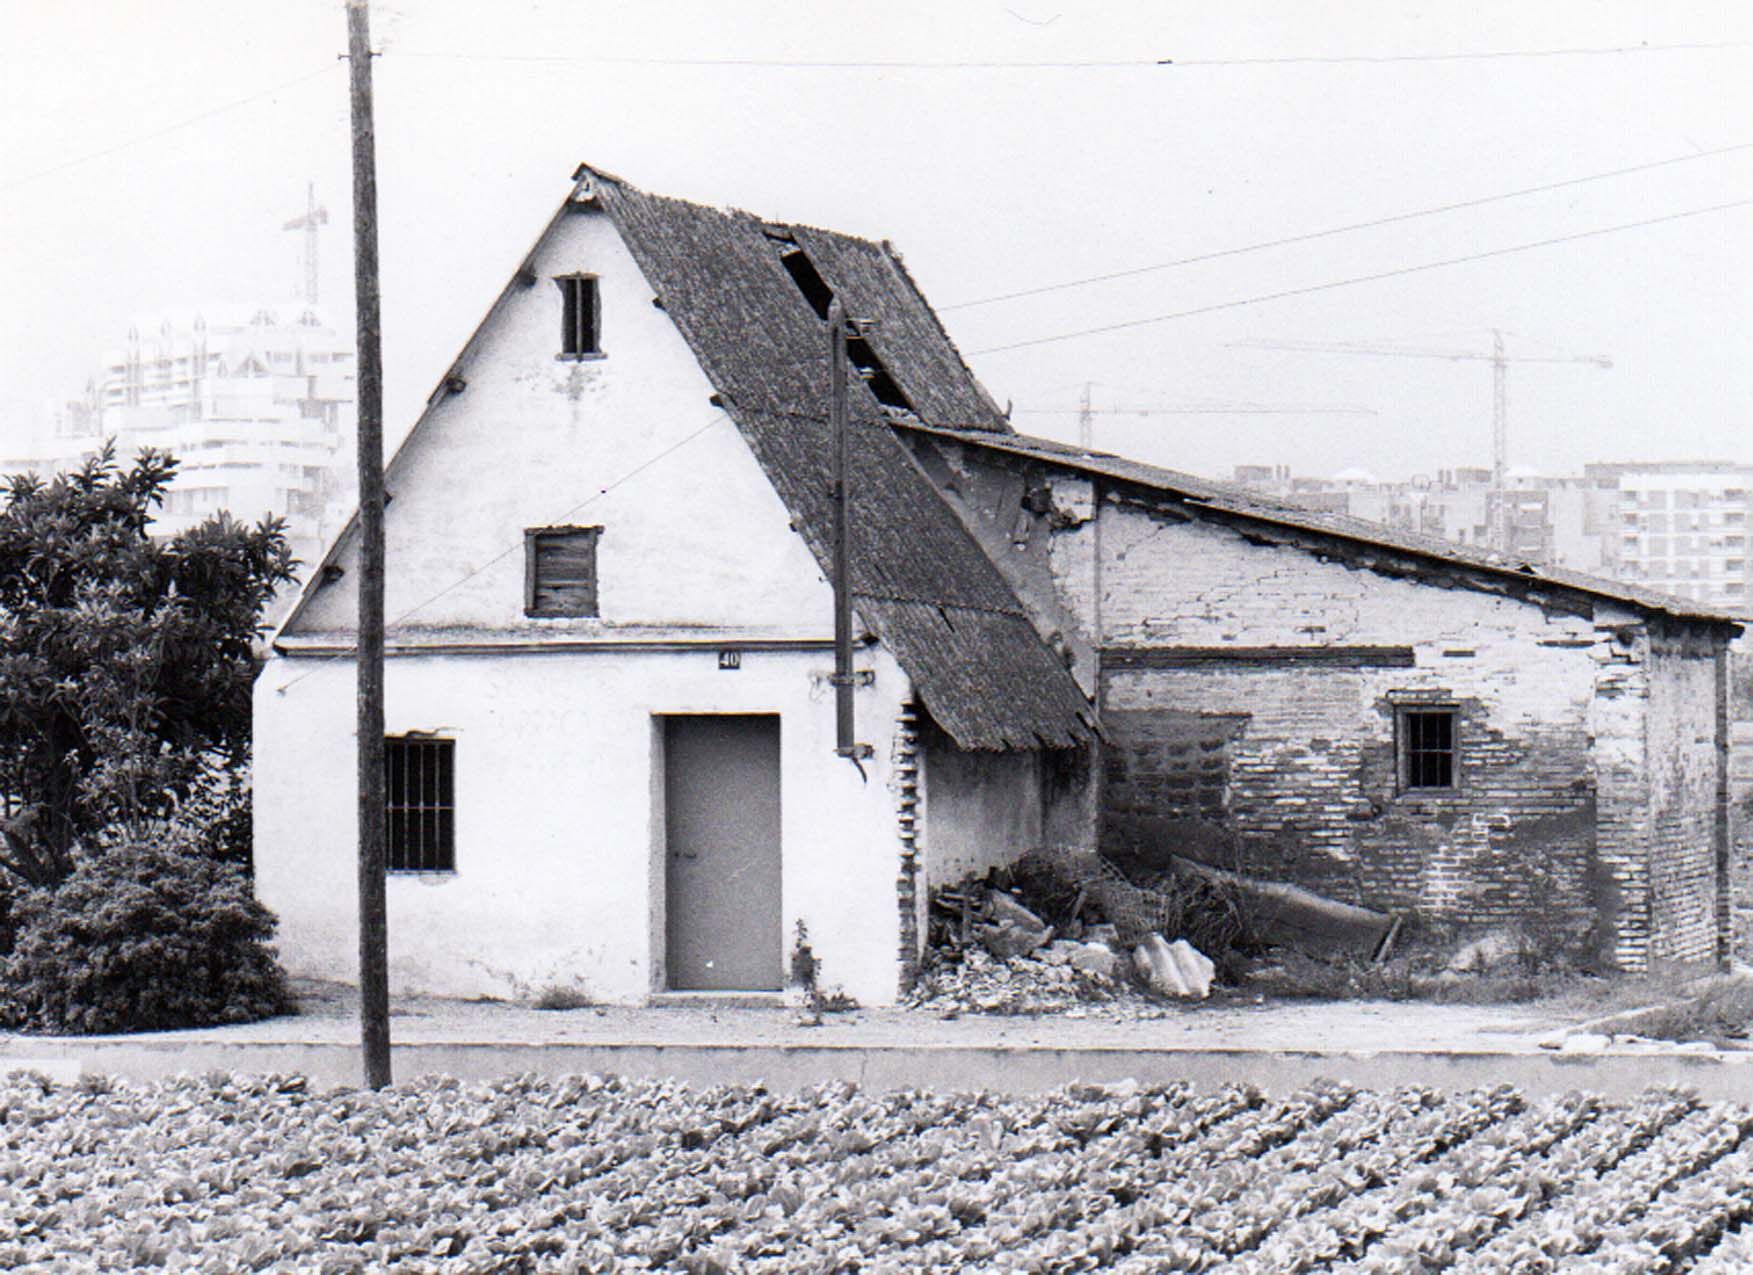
(156, 635)
(141, 937)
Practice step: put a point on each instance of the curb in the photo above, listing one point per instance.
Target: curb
(951, 1067)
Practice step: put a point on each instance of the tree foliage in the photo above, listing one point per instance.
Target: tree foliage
(125, 661)
(148, 936)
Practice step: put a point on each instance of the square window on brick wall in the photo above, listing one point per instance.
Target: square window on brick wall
(1425, 742)
(560, 571)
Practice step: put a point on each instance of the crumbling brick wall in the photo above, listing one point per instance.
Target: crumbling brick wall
(1683, 761)
(1314, 792)
(1252, 677)
(1740, 802)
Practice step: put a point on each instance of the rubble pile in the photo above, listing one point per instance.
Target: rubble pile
(1045, 982)
(991, 953)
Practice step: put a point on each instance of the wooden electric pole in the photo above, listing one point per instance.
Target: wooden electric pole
(374, 983)
(844, 679)
(843, 685)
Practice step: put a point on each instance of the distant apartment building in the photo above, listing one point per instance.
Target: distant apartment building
(258, 405)
(1682, 528)
(1676, 526)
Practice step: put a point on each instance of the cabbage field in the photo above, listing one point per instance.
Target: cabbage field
(230, 1173)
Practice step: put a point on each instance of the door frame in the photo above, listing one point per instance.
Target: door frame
(658, 860)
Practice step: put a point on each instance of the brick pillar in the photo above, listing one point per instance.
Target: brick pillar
(1617, 718)
(907, 791)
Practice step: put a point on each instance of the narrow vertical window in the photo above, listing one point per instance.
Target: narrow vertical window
(1427, 748)
(560, 571)
(580, 316)
(420, 805)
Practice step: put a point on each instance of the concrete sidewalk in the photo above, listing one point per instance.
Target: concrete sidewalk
(1277, 1045)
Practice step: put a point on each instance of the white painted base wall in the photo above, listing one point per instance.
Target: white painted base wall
(559, 877)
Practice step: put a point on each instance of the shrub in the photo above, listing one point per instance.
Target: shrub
(559, 996)
(141, 937)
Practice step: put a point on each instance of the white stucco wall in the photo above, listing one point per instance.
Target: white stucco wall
(559, 872)
(981, 809)
(559, 835)
(693, 535)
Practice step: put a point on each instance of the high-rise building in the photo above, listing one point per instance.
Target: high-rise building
(1682, 528)
(258, 405)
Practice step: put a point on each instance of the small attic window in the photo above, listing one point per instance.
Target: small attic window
(580, 317)
(560, 571)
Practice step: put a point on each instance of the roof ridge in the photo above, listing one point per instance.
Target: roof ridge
(1239, 501)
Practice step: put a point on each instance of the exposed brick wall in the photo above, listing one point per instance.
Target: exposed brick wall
(1167, 762)
(1584, 807)
(909, 902)
(1683, 781)
(1740, 709)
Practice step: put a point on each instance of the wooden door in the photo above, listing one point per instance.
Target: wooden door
(722, 905)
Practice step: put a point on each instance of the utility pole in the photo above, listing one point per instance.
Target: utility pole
(374, 983)
(845, 681)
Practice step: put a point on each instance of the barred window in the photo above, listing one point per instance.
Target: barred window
(420, 804)
(580, 316)
(1427, 748)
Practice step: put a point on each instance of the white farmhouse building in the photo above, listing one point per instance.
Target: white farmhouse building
(612, 733)
(612, 754)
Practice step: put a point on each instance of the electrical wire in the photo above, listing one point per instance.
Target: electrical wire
(516, 545)
(1365, 278)
(784, 65)
(1341, 230)
(899, 64)
(1239, 409)
(1484, 55)
(107, 151)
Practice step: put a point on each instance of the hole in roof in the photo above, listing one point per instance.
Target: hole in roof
(816, 291)
(884, 386)
(809, 281)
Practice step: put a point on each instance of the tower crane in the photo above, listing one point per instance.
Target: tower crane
(313, 218)
(1500, 361)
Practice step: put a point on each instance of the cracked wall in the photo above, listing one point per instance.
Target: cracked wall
(1579, 811)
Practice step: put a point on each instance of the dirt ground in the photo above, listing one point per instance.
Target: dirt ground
(328, 1013)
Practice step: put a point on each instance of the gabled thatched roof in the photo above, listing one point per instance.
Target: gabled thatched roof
(919, 578)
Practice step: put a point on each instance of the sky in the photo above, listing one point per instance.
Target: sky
(1593, 158)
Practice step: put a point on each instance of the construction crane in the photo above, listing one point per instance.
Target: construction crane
(313, 217)
(1086, 412)
(1500, 361)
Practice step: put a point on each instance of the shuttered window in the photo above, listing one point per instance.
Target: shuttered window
(420, 804)
(560, 571)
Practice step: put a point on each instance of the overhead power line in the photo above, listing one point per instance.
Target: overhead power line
(1236, 409)
(1480, 56)
(157, 133)
(1365, 278)
(1341, 230)
(901, 64)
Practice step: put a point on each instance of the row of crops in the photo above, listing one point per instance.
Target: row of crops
(231, 1173)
